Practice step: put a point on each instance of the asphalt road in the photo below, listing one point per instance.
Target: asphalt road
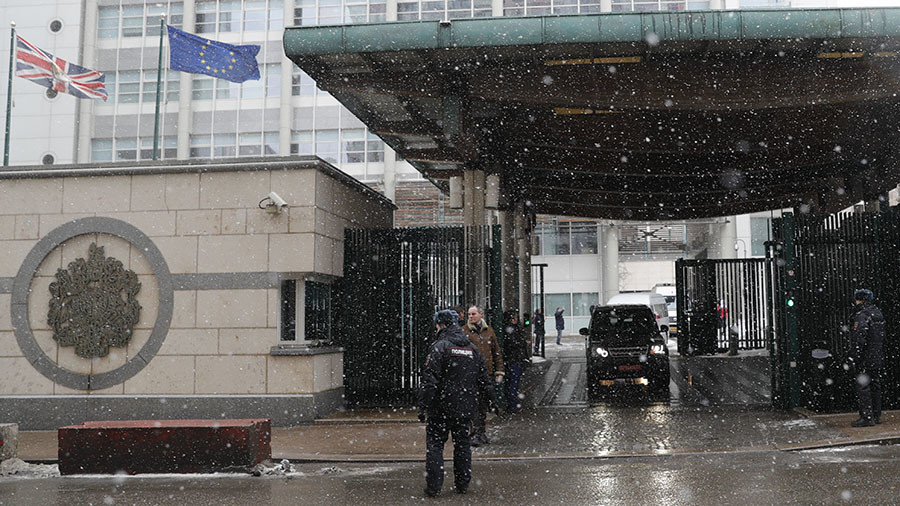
(850, 475)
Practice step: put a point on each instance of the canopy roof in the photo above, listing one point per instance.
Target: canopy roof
(665, 115)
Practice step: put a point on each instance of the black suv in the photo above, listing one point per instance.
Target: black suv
(624, 345)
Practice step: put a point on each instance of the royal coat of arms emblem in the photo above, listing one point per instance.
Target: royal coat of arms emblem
(93, 304)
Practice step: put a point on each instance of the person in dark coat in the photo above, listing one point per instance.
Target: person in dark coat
(867, 356)
(485, 339)
(560, 323)
(453, 378)
(518, 353)
(539, 331)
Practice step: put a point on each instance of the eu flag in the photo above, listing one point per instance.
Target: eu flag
(190, 53)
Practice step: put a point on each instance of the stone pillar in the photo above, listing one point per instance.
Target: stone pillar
(523, 239)
(85, 127)
(727, 236)
(390, 173)
(390, 10)
(185, 89)
(605, 5)
(610, 259)
(286, 113)
(508, 258)
(476, 237)
(496, 8)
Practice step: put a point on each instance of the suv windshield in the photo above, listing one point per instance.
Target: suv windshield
(623, 325)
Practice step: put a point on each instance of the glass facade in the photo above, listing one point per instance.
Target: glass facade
(565, 238)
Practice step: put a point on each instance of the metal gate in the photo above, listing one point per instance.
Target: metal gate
(723, 304)
(821, 261)
(394, 280)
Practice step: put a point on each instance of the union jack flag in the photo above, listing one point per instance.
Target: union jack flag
(41, 67)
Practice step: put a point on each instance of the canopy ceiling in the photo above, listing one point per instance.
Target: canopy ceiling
(632, 116)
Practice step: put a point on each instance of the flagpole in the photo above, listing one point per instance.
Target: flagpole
(162, 28)
(12, 60)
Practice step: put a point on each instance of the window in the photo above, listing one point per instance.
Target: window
(329, 12)
(227, 89)
(317, 311)
(327, 145)
(250, 145)
(153, 18)
(555, 300)
(273, 80)
(126, 149)
(255, 14)
(271, 143)
(353, 149)
(584, 238)
(200, 146)
(582, 302)
(149, 86)
(167, 147)
(132, 20)
(101, 150)
(108, 22)
(305, 12)
(202, 88)
(302, 84)
(110, 87)
(229, 16)
(253, 88)
(301, 143)
(129, 87)
(289, 310)
(173, 85)
(205, 17)
(276, 14)
(374, 148)
(224, 145)
(556, 240)
(657, 5)
(759, 234)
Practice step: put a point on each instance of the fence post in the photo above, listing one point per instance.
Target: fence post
(790, 311)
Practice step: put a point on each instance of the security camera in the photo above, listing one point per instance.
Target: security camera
(278, 201)
(273, 203)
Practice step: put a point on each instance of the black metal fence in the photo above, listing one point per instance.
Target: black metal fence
(394, 280)
(723, 304)
(822, 260)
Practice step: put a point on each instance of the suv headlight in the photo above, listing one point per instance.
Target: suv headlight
(601, 352)
(657, 349)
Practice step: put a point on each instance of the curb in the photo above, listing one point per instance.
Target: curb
(597, 456)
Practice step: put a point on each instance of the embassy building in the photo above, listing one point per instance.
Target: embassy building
(283, 114)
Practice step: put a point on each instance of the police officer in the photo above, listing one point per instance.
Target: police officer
(453, 377)
(867, 355)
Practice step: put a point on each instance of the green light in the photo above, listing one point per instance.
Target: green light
(527, 323)
(789, 302)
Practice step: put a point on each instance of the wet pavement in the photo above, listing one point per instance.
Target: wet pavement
(627, 429)
(854, 475)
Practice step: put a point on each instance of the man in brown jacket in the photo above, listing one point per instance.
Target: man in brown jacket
(483, 337)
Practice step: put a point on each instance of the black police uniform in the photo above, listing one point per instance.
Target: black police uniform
(867, 353)
(452, 379)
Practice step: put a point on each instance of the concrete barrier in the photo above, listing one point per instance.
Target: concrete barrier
(9, 440)
(164, 446)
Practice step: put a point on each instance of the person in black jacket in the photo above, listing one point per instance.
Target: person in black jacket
(518, 353)
(867, 356)
(539, 331)
(452, 379)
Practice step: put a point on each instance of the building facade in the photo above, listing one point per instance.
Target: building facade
(285, 114)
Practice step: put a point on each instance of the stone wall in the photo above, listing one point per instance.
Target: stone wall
(210, 263)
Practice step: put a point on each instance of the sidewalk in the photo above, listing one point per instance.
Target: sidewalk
(372, 436)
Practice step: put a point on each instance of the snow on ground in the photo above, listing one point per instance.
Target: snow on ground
(18, 468)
